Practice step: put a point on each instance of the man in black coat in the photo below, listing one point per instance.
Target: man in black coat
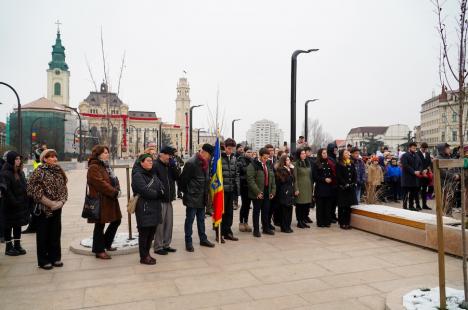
(194, 183)
(167, 170)
(231, 188)
(242, 163)
(426, 162)
(411, 170)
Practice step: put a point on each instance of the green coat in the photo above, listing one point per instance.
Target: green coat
(303, 184)
(256, 179)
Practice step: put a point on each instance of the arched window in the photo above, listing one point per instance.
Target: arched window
(57, 89)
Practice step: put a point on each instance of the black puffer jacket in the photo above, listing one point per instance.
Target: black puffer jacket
(148, 209)
(230, 173)
(242, 163)
(285, 186)
(16, 201)
(168, 174)
(194, 183)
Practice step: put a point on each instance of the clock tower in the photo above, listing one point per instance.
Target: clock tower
(182, 101)
(58, 76)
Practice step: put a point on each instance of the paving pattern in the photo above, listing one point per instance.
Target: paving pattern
(315, 268)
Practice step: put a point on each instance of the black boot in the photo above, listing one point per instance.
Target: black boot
(10, 250)
(18, 247)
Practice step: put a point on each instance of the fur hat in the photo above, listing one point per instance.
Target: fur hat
(45, 153)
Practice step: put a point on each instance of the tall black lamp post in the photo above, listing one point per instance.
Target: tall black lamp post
(19, 121)
(306, 120)
(190, 129)
(232, 127)
(293, 95)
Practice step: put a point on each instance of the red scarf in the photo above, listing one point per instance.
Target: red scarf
(203, 161)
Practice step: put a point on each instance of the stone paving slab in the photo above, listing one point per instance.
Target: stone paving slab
(315, 268)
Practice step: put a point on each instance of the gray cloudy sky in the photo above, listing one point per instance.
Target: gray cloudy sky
(377, 61)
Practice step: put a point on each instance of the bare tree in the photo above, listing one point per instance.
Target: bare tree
(452, 69)
(317, 136)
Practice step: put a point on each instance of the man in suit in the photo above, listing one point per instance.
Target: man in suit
(426, 161)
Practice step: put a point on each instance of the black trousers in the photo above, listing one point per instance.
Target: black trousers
(228, 214)
(410, 197)
(278, 213)
(275, 210)
(423, 190)
(103, 240)
(16, 232)
(323, 210)
(145, 238)
(302, 211)
(286, 216)
(344, 214)
(245, 208)
(261, 206)
(334, 199)
(48, 233)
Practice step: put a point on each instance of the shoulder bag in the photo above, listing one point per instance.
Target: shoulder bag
(132, 202)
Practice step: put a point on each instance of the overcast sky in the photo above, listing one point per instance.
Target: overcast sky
(377, 62)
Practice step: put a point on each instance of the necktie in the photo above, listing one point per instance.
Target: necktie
(265, 172)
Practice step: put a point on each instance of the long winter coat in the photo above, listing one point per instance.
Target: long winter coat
(168, 174)
(194, 183)
(230, 173)
(410, 162)
(256, 179)
(16, 203)
(346, 180)
(100, 185)
(148, 208)
(303, 184)
(320, 172)
(375, 176)
(242, 163)
(285, 186)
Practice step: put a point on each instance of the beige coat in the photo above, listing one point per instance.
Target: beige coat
(375, 175)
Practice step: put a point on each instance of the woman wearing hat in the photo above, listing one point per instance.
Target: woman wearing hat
(16, 209)
(104, 184)
(148, 208)
(48, 188)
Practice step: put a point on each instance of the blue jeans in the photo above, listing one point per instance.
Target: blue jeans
(358, 193)
(190, 214)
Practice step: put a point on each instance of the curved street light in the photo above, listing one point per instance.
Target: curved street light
(20, 125)
(293, 94)
(306, 120)
(232, 125)
(190, 132)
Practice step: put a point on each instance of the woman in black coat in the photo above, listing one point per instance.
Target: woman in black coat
(285, 191)
(16, 208)
(346, 179)
(148, 209)
(324, 176)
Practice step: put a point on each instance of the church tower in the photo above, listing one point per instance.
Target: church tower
(58, 76)
(182, 101)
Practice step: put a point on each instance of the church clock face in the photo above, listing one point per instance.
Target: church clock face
(57, 72)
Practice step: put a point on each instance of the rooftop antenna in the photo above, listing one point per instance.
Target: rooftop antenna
(103, 57)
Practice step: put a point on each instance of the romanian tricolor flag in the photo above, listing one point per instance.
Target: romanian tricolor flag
(216, 185)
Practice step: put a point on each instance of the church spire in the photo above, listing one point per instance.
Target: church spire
(58, 53)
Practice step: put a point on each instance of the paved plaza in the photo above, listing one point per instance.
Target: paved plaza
(309, 269)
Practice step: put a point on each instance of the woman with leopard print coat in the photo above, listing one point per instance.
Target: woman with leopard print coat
(47, 186)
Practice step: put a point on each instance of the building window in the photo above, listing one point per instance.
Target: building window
(454, 117)
(454, 135)
(57, 89)
(443, 137)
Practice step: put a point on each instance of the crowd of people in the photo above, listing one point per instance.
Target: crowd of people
(271, 182)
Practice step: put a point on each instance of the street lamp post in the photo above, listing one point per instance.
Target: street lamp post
(190, 132)
(232, 127)
(306, 120)
(19, 121)
(31, 131)
(80, 151)
(293, 95)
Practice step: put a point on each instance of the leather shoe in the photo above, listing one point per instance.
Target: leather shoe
(308, 220)
(148, 260)
(272, 227)
(222, 240)
(47, 267)
(189, 248)
(161, 252)
(269, 232)
(58, 264)
(103, 255)
(207, 244)
(300, 225)
(170, 250)
(257, 234)
(231, 237)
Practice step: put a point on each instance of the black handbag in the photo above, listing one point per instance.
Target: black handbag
(91, 207)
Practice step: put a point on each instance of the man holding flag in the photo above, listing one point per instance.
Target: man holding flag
(195, 185)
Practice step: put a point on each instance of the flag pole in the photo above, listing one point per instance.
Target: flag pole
(219, 234)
